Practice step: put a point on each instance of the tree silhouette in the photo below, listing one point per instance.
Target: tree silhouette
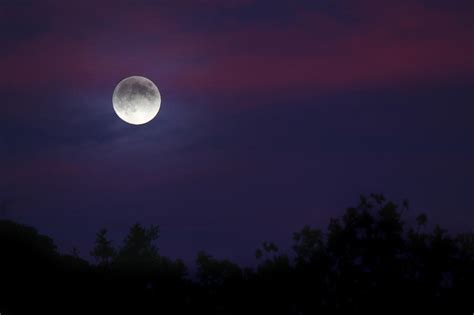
(103, 250)
(213, 272)
(369, 260)
(139, 245)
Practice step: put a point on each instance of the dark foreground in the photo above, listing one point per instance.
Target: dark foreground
(368, 261)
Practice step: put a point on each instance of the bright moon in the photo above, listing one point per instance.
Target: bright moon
(136, 100)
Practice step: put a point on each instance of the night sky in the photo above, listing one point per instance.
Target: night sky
(275, 114)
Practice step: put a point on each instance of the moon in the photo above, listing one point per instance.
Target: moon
(136, 100)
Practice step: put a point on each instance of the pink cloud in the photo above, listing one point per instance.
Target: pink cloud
(404, 44)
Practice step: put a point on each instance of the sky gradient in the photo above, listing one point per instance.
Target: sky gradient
(274, 114)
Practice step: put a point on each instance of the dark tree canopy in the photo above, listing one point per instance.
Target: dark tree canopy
(367, 261)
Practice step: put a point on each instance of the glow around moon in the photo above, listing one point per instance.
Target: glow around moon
(136, 100)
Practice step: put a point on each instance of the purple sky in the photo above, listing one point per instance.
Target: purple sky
(275, 114)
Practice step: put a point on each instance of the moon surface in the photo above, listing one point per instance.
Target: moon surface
(136, 100)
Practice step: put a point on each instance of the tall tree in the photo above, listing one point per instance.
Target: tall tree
(103, 250)
(139, 245)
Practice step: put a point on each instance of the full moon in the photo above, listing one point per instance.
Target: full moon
(136, 100)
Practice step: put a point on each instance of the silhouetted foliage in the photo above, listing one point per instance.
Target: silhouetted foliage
(367, 261)
(139, 247)
(103, 251)
(213, 272)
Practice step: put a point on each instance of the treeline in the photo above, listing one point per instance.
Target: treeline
(368, 260)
